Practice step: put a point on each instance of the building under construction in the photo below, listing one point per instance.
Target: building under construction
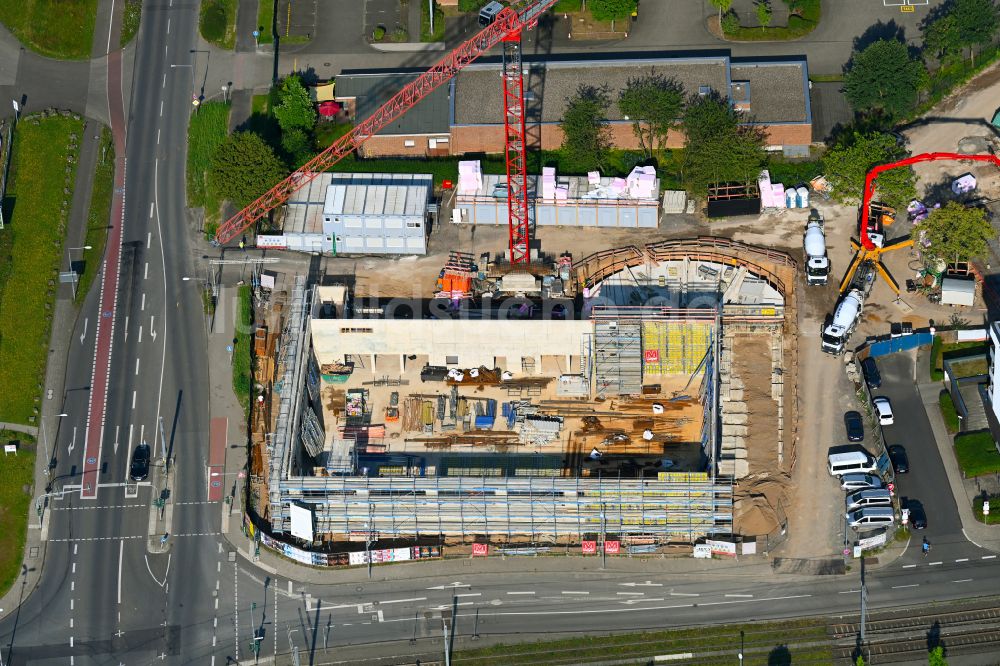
(599, 412)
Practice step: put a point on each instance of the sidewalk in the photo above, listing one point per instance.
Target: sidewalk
(982, 535)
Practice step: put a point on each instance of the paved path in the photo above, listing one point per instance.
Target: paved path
(18, 427)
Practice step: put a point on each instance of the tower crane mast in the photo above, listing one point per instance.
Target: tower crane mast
(504, 27)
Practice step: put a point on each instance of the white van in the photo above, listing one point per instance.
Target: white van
(859, 499)
(871, 517)
(852, 462)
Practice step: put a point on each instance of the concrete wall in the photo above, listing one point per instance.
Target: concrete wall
(475, 343)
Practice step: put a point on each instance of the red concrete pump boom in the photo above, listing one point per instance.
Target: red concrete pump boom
(506, 27)
(923, 157)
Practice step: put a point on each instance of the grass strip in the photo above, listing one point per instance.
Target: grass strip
(39, 192)
(207, 130)
(425, 23)
(765, 636)
(977, 509)
(16, 476)
(977, 454)
(948, 411)
(55, 28)
(799, 25)
(131, 16)
(242, 378)
(217, 23)
(99, 215)
(265, 21)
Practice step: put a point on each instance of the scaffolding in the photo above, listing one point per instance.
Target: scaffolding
(680, 507)
(617, 358)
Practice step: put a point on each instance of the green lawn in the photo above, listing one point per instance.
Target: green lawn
(207, 130)
(98, 217)
(258, 104)
(265, 21)
(798, 26)
(977, 454)
(218, 22)
(425, 23)
(806, 642)
(31, 252)
(948, 411)
(130, 20)
(55, 28)
(972, 368)
(242, 377)
(16, 474)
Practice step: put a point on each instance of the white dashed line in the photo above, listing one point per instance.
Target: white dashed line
(631, 594)
(150, 215)
(168, 25)
(157, 137)
(962, 559)
(848, 592)
(149, 238)
(685, 594)
(520, 593)
(909, 566)
(745, 596)
(475, 594)
(964, 580)
(402, 601)
(137, 366)
(934, 564)
(899, 587)
(164, 84)
(161, 108)
(143, 304)
(133, 398)
(575, 592)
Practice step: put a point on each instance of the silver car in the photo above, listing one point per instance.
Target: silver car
(871, 517)
(859, 499)
(850, 482)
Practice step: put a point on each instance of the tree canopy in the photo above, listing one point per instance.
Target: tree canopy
(653, 103)
(586, 132)
(884, 78)
(295, 109)
(718, 147)
(956, 233)
(610, 10)
(764, 13)
(722, 5)
(245, 167)
(848, 163)
(958, 25)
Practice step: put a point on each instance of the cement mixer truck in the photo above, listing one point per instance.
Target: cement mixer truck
(814, 244)
(845, 319)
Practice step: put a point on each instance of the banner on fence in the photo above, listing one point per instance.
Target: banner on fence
(702, 551)
(872, 541)
(612, 547)
(589, 547)
(480, 550)
(722, 547)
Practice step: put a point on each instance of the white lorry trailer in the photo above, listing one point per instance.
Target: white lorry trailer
(814, 245)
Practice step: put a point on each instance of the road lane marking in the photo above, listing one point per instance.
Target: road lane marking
(157, 137)
(631, 594)
(75, 546)
(743, 596)
(151, 209)
(163, 265)
(143, 304)
(401, 601)
(161, 108)
(848, 592)
(136, 371)
(140, 334)
(909, 566)
(934, 564)
(72, 443)
(569, 592)
(72, 586)
(963, 580)
(117, 428)
(71, 641)
(74, 567)
(168, 25)
(145, 272)
(520, 593)
(988, 557)
(133, 398)
(149, 239)
(962, 559)
(71, 623)
(164, 84)
(121, 551)
(84, 334)
(470, 594)
(899, 587)
(685, 594)
(71, 604)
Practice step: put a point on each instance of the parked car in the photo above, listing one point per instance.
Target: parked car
(918, 519)
(859, 499)
(855, 426)
(900, 463)
(871, 517)
(851, 482)
(883, 410)
(870, 370)
(139, 469)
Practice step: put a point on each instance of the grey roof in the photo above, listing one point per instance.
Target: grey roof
(549, 86)
(379, 194)
(777, 90)
(371, 90)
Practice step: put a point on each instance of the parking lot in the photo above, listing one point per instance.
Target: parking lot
(926, 481)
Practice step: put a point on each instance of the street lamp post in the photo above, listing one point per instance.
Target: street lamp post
(48, 451)
(225, 99)
(17, 110)
(69, 262)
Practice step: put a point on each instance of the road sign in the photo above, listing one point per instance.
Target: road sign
(891, 487)
(256, 33)
(986, 508)
(229, 348)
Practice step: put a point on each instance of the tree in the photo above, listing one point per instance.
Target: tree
(764, 13)
(245, 167)
(295, 109)
(653, 103)
(847, 164)
(884, 78)
(297, 145)
(936, 657)
(941, 36)
(956, 233)
(976, 23)
(722, 5)
(586, 131)
(719, 146)
(612, 10)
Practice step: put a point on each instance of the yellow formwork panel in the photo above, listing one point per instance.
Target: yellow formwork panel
(671, 348)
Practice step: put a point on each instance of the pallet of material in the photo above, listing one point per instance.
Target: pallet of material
(485, 377)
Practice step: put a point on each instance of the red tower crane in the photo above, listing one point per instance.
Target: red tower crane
(505, 26)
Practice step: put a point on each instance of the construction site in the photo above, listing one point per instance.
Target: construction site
(620, 409)
(641, 395)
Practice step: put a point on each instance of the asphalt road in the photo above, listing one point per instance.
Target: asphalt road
(926, 481)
